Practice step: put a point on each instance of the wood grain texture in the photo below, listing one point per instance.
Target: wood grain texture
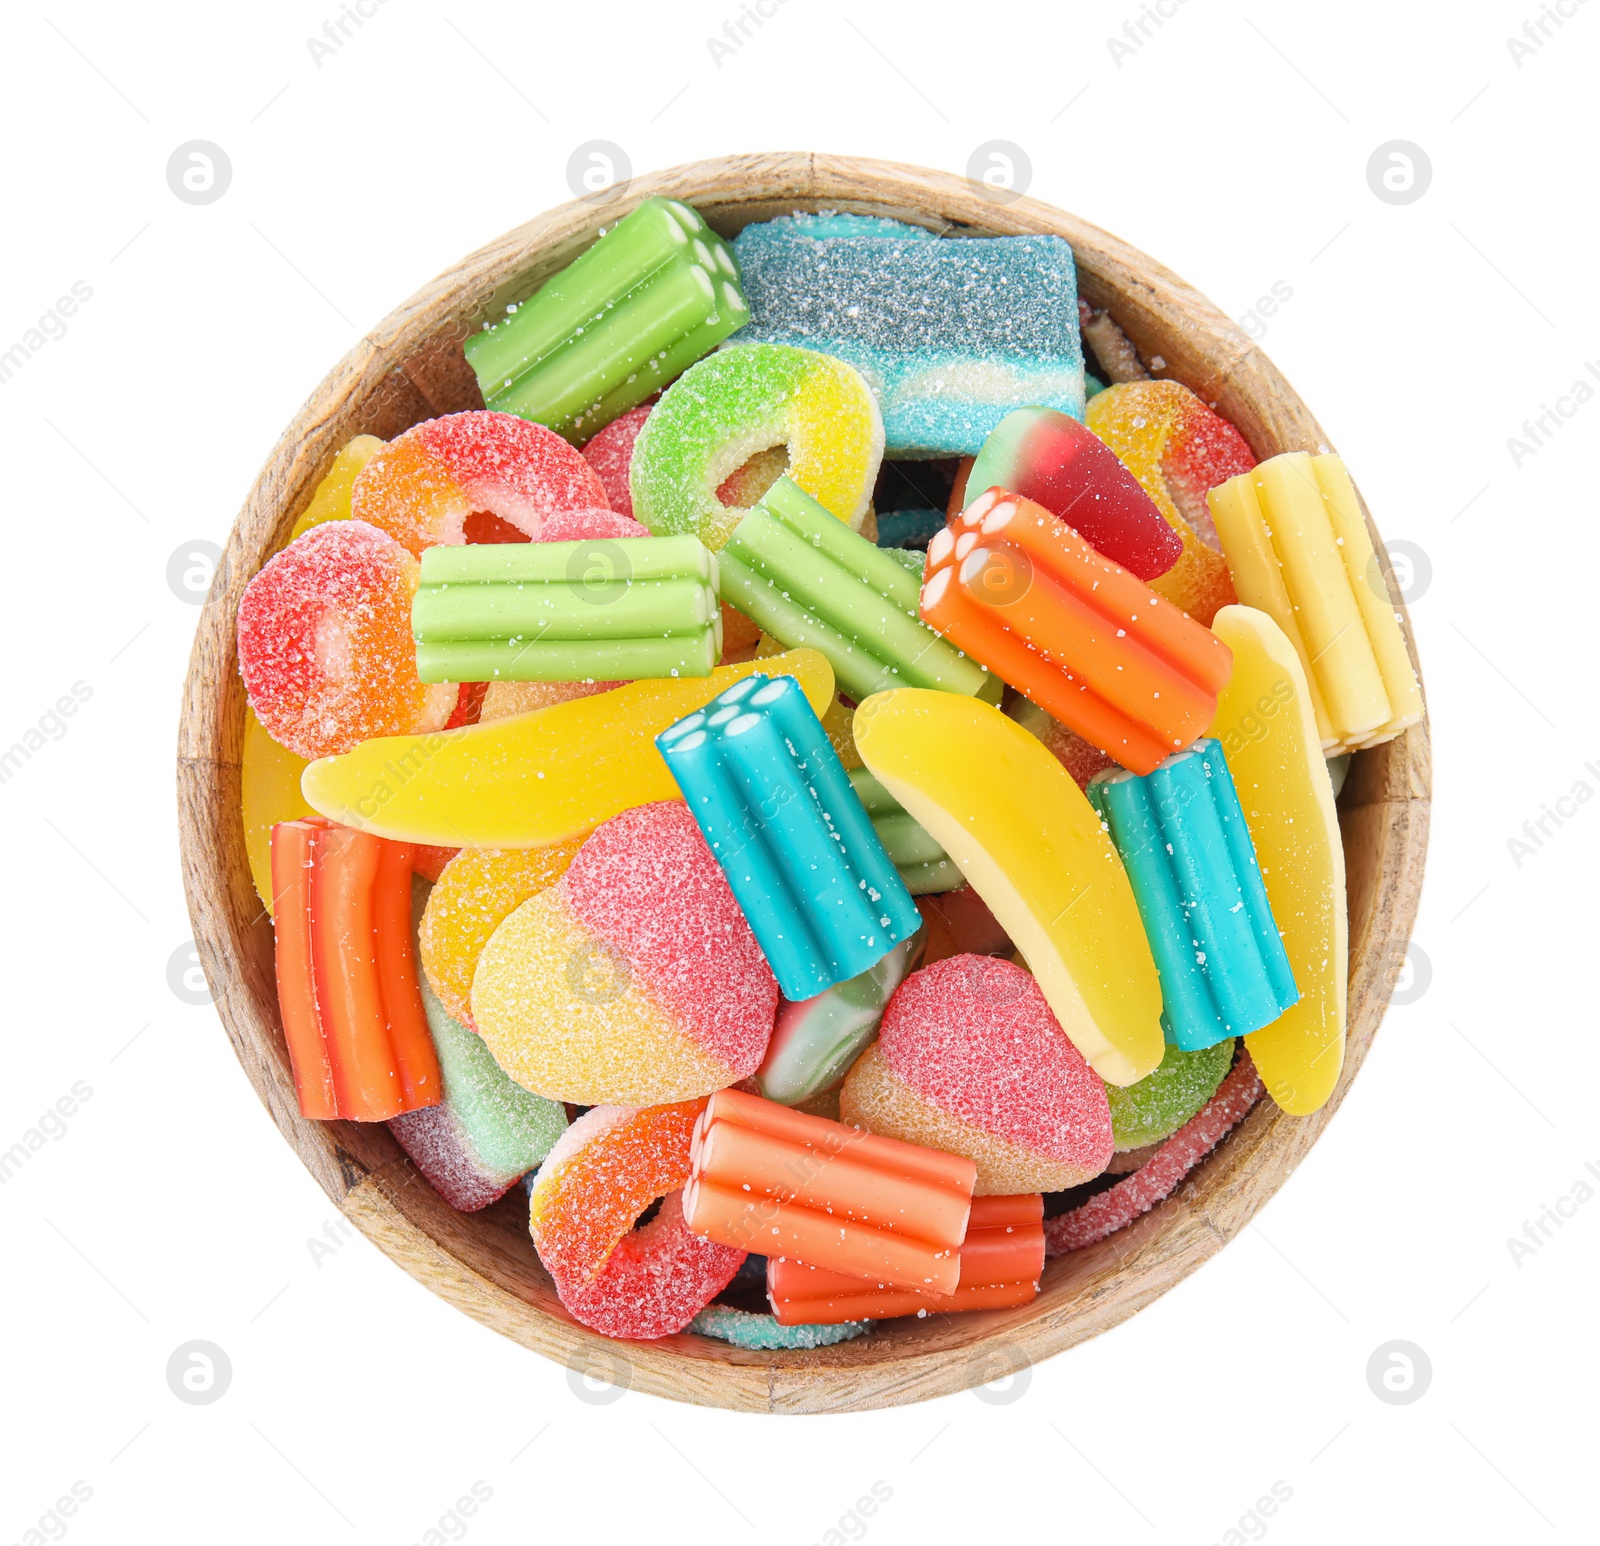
(411, 368)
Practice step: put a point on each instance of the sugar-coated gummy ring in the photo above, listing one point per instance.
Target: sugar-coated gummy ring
(762, 1334)
(603, 1172)
(325, 645)
(1119, 1205)
(747, 399)
(422, 486)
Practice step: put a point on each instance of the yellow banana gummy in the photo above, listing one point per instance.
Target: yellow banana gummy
(533, 779)
(1030, 844)
(1268, 731)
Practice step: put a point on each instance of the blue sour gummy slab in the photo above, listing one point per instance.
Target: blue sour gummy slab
(952, 335)
(772, 799)
(1188, 854)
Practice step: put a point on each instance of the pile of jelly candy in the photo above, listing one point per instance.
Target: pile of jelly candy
(833, 798)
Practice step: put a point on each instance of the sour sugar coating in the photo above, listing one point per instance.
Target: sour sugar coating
(747, 399)
(969, 1060)
(763, 1334)
(1178, 449)
(331, 499)
(421, 487)
(1156, 1180)
(610, 453)
(325, 645)
(634, 978)
(952, 335)
(1050, 458)
(488, 1131)
(1160, 1103)
(477, 891)
(606, 1169)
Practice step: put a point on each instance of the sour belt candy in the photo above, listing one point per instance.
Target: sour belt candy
(1188, 854)
(952, 335)
(1019, 590)
(347, 980)
(1033, 848)
(781, 1183)
(597, 609)
(655, 293)
(768, 791)
(1299, 550)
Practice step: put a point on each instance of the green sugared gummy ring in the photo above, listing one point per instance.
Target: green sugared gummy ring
(741, 400)
(1159, 1104)
(762, 1333)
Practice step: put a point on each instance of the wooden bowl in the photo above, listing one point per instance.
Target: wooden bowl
(411, 368)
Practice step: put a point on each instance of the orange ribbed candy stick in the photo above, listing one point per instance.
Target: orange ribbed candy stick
(769, 1179)
(347, 984)
(1021, 591)
(1000, 1262)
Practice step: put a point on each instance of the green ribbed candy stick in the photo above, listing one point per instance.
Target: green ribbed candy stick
(808, 580)
(654, 294)
(914, 851)
(611, 609)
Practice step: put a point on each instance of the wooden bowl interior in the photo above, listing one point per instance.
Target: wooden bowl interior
(411, 368)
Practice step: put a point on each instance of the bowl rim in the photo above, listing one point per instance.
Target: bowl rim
(410, 367)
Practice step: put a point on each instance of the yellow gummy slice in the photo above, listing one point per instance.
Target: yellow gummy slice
(269, 792)
(1269, 735)
(475, 893)
(564, 1022)
(331, 502)
(1300, 552)
(534, 779)
(1137, 419)
(1031, 845)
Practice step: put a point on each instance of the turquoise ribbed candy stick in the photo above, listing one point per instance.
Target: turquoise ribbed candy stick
(807, 579)
(1188, 854)
(613, 609)
(768, 792)
(655, 293)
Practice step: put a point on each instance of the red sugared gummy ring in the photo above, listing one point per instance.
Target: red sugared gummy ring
(422, 486)
(604, 1171)
(1117, 1206)
(325, 643)
(610, 453)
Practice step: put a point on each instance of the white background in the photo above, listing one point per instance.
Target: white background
(1232, 145)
